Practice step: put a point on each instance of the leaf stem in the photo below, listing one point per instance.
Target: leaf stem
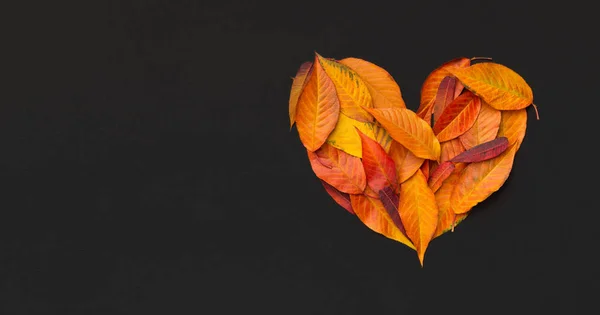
(537, 115)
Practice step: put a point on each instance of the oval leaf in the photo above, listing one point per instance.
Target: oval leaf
(444, 96)
(372, 213)
(351, 90)
(450, 149)
(482, 152)
(342, 199)
(339, 169)
(384, 90)
(513, 125)
(318, 109)
(447, 219)
(405, 161)
(499, 86)
(440, 174)
(379, 167)
(479, 180)
(297, 85)
(345, 137)
(418, 211)
(484, 129)
(457, 117)
(409, 130)
(432, 83)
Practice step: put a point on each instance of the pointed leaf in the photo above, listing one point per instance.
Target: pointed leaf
(372, 213)
(297, 85)
(342, 199)
(351, 90)
(457, 117)
(405, 161)
(447, 219)
(339, 169)
(418, 211)
(431, 84)
(499, 86)
(440, 174)
(451, 149)
(484, 129)
(458, 88)
(444, 96)
(379, 167)
(382, 86)
(409, 130)
(485, 151)
(390, 202)
(317, 110)
(479, 180)
(513, 125)
(345, 137)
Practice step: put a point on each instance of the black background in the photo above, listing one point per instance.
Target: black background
(147, 165)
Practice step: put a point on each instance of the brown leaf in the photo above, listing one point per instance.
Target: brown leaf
(339, 169)
(390, 202)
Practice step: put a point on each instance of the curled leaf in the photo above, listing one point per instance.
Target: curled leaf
(485, 127)
(499, 86)
(482, 152)
(342, 199)
(339, 169)
(297, 85)
(457, 117)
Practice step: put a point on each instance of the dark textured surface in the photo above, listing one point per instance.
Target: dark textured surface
(147, 166)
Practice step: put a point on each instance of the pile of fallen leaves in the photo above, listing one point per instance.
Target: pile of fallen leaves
(410, 176)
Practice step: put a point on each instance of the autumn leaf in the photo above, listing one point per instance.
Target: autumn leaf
(408, 129)
(513, 124)
(297, 85)
(379, 167)
(342, 199)
(458, 88)
(444, 96)
(426, 169)
(499, 86)
(484, 129)
(418, 211)
(437, 177)
(390, 202)
(447, 219)
(405, 161)
(479, 180)
(372, 213)
(351, 90)
(384, 90)
(345, 137)
(339, 169)
(485, 151)
(382, 137)
(432, 82)
(450, 149)
(318, 109)
(457, 117)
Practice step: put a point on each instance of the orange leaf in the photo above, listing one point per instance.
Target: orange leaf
(444, 96)
(450, 149)
(431, 84)
(342, 199)
(297, 85)
(513, 125)
(440, 174)
(409, 130)
(499, 86)
(479, 180)
(372, 213)
(426, 169)
(458, 88)
(406, 163)
(351, 90)
(379, 167)
(318, 109)
(418, 211)
(339, 169)
(484, 129)
(457, 117)
(382, 86)
(447, 219)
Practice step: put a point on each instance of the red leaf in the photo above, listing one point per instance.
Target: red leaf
(338, 168)
(390, 202)
(440, 174)
(379, 167)
(484, 151)
(444, 96)
(342, 199)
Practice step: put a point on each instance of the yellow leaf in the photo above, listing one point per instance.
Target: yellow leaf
(345, 137)
(382, 86)
(409, 130)
(351, 90)
(496, 84)
(418, 211)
